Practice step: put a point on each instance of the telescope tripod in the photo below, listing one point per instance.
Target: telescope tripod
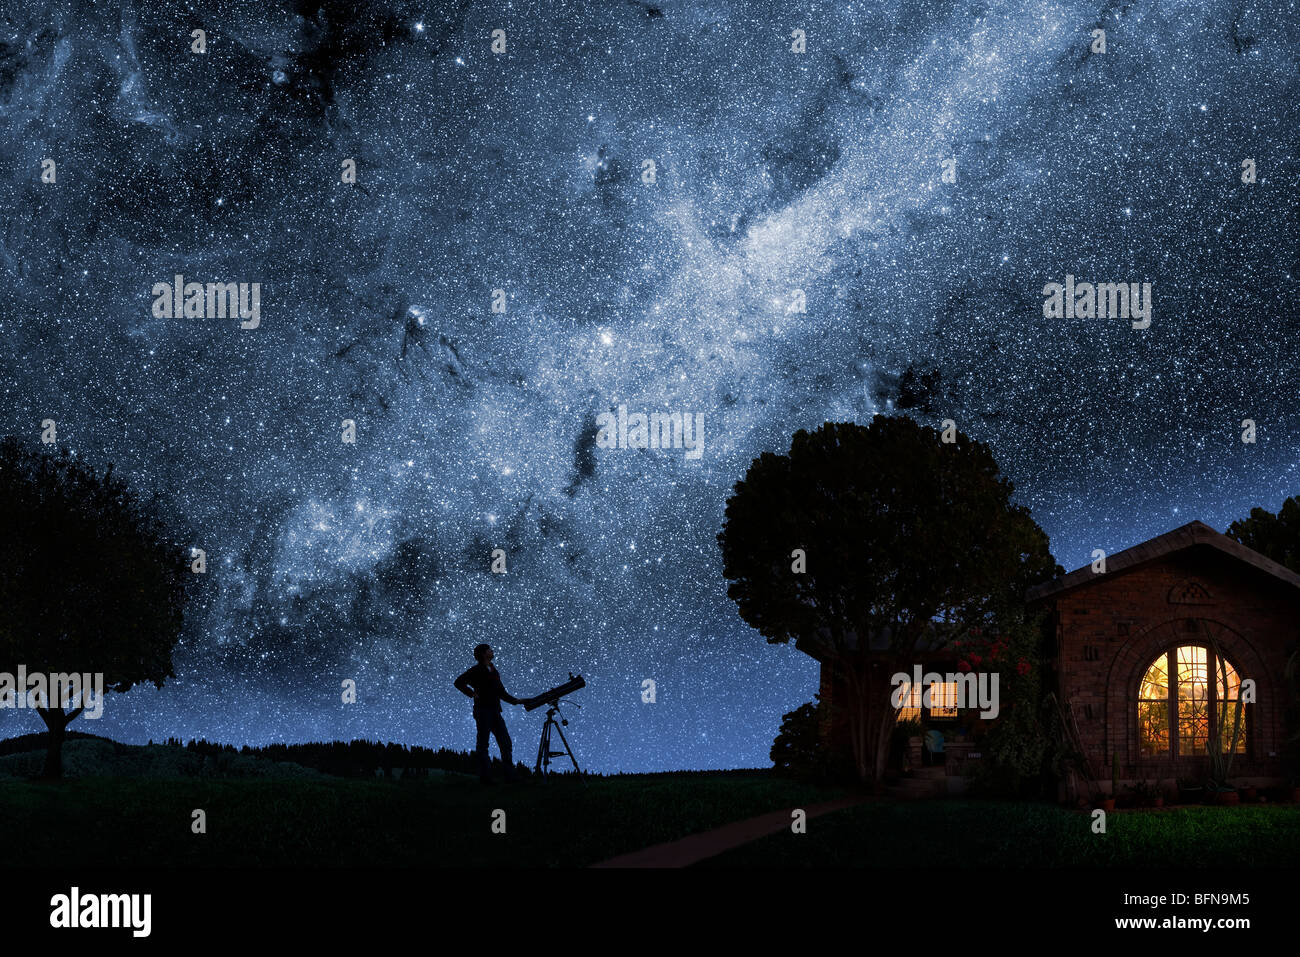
(544, 752)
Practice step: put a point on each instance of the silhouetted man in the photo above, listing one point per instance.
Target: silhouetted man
(483, 684)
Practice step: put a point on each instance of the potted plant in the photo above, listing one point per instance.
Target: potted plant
(1108, 804)
(1218, 788)
(906, 732)
(1190, 791)
(1146, 795)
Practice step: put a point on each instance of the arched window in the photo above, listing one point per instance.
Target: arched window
(1177, 702)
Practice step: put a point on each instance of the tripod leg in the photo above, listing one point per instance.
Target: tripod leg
(542, 748)
(570, 750)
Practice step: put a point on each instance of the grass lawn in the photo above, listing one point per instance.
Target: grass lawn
(1005, 834)
(344, 823)
(446, 820)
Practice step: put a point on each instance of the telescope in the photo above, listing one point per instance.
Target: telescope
(552, 700)
(556, 693)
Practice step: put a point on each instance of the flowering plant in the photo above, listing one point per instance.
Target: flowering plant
(1015, 743)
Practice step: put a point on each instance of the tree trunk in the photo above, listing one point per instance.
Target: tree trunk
(855, 717)
(56, 724)
(884, 731)
(870, 724)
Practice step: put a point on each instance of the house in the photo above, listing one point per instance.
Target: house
(941, 713)
(1135, 661)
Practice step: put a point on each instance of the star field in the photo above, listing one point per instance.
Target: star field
(523, 171)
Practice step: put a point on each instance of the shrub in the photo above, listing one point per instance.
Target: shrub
(798, 750)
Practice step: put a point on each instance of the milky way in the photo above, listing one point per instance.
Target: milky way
(525, 171)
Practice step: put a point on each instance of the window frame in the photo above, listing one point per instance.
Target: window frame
(942, 707)
(1213, 704)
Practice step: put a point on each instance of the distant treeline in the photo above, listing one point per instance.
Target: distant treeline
(35, 741)
(347, 759)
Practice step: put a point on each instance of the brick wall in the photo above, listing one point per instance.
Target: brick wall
(1110, 630)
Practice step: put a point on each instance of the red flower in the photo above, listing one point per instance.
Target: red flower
(1022, 667)
(975, 660)
(963, 665)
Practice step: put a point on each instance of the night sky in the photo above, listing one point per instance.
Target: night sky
(522, 171)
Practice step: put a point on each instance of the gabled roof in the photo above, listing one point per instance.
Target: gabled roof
(1191, 535)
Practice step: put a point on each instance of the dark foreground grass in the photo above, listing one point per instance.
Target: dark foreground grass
(446, 821)
(1003, 834)
(442, 821)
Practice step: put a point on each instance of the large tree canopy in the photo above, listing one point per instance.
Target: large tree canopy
(1278, 537)
(89, 581)
(865, 543)
(1275, 536)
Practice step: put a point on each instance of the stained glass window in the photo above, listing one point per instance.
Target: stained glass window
(1153, 709)
(1229, 698)
(1174, 715)
(1193, 700)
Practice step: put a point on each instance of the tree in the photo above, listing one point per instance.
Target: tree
(1273, 536)
(798, 750)
(89, 582)
(907, 542)
(1278, 537)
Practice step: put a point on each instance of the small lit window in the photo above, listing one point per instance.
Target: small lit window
(943, 700)
(911, 709)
